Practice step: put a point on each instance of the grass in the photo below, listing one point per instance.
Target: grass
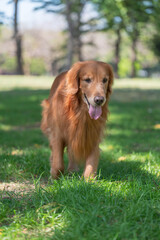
(124, 202)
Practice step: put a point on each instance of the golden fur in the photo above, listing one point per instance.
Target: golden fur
(66, 120)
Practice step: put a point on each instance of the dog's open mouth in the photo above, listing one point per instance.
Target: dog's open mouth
(94, 111)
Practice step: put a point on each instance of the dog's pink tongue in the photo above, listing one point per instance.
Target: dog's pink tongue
(95, 112)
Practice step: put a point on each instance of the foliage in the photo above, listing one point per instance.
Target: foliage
(124, 201)
(37, 66)
(113, 12)
(155, 41)
(124, 67)
(8, 64)
(130, 16)
(156, 44)
(118, 16)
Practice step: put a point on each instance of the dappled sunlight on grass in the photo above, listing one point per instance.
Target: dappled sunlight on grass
(5, 127)
(122, 203)
(156, 126)
(99, 209)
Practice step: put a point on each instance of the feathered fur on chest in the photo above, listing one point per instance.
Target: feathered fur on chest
(84, 133)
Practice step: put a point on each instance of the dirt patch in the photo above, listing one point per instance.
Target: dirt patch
(16, 188)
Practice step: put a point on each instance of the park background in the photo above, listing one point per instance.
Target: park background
(38, 40)
(42, 37)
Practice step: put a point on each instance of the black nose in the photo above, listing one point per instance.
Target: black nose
(99, 100)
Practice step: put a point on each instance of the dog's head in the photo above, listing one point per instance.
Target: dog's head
(94, 80)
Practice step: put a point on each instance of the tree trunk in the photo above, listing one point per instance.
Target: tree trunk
(134, 56)
(70, 45)
(79, 40)
(117, 51)
(73, 16)
(70, 50)
(18, 41)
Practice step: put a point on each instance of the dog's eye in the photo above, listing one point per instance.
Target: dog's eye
(105, 80)
(88, 80)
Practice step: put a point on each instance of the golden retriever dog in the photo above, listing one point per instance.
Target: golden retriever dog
(74, 116)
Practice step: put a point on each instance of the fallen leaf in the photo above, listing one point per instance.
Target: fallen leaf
(110, 147)
(157, 126)
(17, 152)
(24, 230)
(121, 158)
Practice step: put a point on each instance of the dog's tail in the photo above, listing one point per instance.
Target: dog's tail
(44, 122)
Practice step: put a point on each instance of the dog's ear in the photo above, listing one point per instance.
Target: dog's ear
(73, 78)
(110, 83)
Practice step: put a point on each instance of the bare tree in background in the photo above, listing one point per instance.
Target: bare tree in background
(18, 40)
(72, 10)
(73, 16)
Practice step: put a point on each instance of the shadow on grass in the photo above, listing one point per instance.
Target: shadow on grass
(123, 171)
(20, 116)
(133, 115)
(71, 208)
(134, 112)
(25, 166)
(74, 209)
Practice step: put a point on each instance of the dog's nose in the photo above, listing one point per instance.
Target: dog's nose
(99, 100)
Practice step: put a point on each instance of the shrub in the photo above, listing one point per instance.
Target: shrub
(124, 67)
(37, 66)
(8, 64)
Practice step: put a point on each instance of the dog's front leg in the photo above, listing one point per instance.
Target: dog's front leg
(56, 159)
(72, 164)
(91, 166)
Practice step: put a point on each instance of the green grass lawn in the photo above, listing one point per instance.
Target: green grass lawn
(124, 202)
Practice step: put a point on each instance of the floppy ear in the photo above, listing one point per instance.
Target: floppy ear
(111, 77)
(72, 78)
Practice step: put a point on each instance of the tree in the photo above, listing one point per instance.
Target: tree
(155, 19)
(138, 14)
(128, 15)
(74, 19)
(72, 11)
(114, 14)
(18, 38)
